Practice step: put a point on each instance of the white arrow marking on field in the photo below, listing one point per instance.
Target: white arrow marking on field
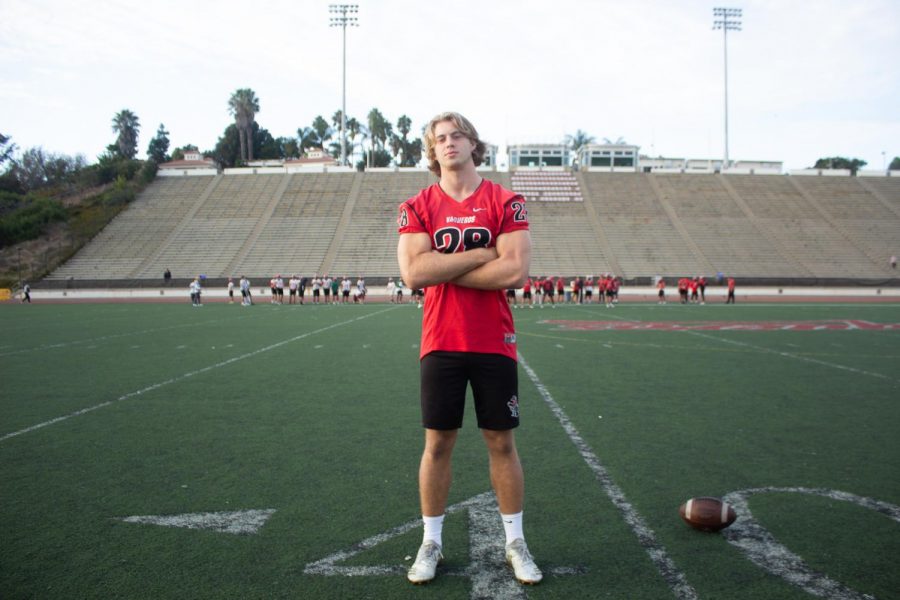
(237, 522)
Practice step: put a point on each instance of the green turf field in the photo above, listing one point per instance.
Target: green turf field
(309, 416)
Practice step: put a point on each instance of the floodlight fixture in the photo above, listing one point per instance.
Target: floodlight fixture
(343, 17)
(727, 19)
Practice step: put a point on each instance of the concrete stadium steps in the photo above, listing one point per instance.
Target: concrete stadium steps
(369, 244)
(818, 246)
(301, 227)
(637, 224)
(641, 234)
(137, 232)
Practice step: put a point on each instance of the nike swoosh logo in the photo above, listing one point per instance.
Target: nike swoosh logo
(478, 209)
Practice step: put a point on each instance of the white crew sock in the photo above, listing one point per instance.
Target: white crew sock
(512, 524)
(434, 526)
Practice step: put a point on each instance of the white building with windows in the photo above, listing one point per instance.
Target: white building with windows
(538, 156)
(609, 157)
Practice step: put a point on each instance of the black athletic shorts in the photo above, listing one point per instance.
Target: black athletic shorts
(495, 388)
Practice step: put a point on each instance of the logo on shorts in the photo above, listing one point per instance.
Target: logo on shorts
(513, 405)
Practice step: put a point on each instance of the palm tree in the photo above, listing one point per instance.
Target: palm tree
(377, 124)
(353, 130)
(126, 124)
(404, 124)
(581, 138)
(306, 138)
(244, 105)
(322, 131)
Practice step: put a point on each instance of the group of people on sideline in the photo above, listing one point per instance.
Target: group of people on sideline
(541, 290)
(537, 290)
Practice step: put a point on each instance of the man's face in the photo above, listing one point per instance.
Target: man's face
(452, 148)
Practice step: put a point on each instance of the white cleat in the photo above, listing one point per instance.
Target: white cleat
(522, 563)
(423, 569)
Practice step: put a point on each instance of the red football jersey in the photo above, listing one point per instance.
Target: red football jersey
(456, 318)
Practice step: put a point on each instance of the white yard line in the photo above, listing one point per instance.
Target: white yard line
(114, 336)
(184, 376)
(646, 537)
(794, 356)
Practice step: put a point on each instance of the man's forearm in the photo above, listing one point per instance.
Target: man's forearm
(500, 274)
(433, 268)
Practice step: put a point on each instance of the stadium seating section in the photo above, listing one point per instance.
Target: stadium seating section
(634, 225)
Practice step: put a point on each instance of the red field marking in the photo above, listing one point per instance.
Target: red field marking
(827, 325)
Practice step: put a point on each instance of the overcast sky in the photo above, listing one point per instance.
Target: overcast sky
(806, 78)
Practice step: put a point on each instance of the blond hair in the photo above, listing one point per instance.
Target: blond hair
(465, 127)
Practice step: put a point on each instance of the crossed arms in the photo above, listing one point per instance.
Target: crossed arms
(502, 267)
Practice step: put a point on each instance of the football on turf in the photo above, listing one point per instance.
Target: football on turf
(707, 514)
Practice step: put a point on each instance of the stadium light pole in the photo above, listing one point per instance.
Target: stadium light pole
(342, 16)
(726, 19)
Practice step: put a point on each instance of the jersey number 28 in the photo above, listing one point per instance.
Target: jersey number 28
(448, 239)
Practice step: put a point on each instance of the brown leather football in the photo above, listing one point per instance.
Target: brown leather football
(707, 514)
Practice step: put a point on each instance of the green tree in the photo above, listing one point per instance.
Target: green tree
(322, 131)
(228, 149)
(576, 142)
(244, 105)
(159, 146)
(38, 169)
(840, 162)
(895, 164)
(265, 146)
(380, 130)
(6, 148)
(353, 131)
(127, 126)
(288, 147)
(407, 153)
(306, 139)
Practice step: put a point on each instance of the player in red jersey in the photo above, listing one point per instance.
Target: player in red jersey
(661, 286)
(466, 240)
(683, 290)
(526, 293)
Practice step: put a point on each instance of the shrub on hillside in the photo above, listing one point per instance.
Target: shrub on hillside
(29, 220)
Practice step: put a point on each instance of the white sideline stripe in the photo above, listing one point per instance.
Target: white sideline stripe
(156, 386)
(794, 356)
(658, 556)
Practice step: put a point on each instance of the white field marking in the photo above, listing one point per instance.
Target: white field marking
(156, 386)
(764, 550)
(675, 579)
(109, 337)
(794, 356)
(329, 565)
(491, 578)
(236, 522)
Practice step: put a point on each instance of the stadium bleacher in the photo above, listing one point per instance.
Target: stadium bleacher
(584, 223)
